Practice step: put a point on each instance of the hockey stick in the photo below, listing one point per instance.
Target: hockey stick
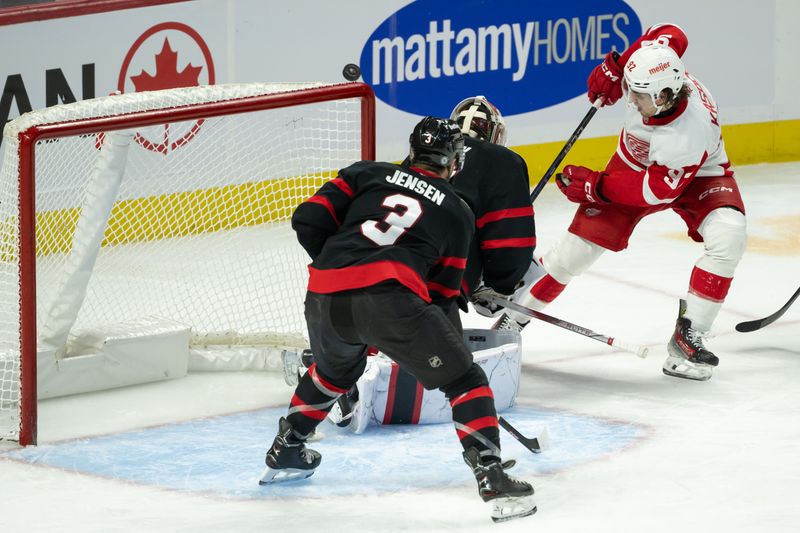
(535, 444)
(639, 350)
(753, 325)
(567, 147)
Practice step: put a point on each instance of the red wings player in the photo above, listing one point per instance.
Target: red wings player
(670, 155)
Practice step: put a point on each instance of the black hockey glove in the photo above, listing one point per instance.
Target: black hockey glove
(481, 303)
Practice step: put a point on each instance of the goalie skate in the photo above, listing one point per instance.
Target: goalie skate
(506, 323)
(288, 458)
(342, 412)
(509, 498)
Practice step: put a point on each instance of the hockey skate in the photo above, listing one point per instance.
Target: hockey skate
(506, 323)
(509, 497)
(342, 412)
(295, 365)
(688, 357)
(288, 458)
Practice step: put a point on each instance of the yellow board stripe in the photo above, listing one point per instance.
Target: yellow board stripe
(183, 214)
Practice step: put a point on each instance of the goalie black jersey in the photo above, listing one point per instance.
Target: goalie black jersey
(380, 222)
(494, 182)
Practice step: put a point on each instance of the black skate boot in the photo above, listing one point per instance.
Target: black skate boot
(688, 357)
(288, 458)
(509, 497)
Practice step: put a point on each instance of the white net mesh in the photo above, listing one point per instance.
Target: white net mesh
(198, 232)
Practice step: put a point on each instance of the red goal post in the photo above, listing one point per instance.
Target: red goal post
(214, 189)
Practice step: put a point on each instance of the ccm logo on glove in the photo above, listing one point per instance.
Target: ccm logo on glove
(605, 81)
(581, 184)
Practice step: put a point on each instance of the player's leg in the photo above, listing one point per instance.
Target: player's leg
(594, 229)
(717, 219)
(571, 256)
(423, 340)
(338, 365)
(475, 420)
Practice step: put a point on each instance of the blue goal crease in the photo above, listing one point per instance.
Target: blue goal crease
(225, 455)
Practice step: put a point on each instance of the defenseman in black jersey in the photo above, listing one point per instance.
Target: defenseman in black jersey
(495, 184)
(389, 245)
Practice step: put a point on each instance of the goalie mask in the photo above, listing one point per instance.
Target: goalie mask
(479, 119)
(651, 69)
(437, 142)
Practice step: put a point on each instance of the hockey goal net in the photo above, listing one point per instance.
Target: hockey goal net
(168, 204)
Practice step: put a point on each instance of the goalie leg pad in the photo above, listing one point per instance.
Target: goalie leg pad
(498, 353)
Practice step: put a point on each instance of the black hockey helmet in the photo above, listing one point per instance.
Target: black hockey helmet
(479, 119)
(437, 142)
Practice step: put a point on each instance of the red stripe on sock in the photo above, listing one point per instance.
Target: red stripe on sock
(312, 370)
(547, 289)
(709, 286)
(417, 403)
(314, 414)
(477, 425)
(478, 392)
(387, 415)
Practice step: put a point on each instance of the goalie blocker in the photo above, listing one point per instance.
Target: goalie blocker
(387, 394)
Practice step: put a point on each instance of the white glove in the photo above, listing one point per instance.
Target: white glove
(480, 301)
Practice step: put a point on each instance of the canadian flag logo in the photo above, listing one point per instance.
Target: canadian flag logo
(167, 56)
(166, 74)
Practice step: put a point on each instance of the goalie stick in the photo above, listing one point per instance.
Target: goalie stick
(637, 349)
(567, 147)
(753, 325)
(535, 444)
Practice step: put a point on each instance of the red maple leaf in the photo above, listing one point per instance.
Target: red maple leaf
(167, 75)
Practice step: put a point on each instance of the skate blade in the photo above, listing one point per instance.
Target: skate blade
(680, 368)
(505, 509)
(272, 475)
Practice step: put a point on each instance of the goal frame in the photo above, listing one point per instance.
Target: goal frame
(27, 195)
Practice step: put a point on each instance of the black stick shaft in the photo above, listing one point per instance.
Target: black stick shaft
(753, 325)
(567, 147)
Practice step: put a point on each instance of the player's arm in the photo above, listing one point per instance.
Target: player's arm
(666, 34)
(605, 81)
(446, 275)
(657, 184)
(320, 216)
(506, 231)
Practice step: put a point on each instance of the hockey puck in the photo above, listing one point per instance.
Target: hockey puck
(351, 72)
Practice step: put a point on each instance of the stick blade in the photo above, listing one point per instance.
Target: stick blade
(752, 325)
(535, 444)
(544, 440)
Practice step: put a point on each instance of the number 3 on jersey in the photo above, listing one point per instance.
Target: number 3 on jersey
(405, 212)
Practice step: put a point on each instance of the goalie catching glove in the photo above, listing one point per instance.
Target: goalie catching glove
(481, 301)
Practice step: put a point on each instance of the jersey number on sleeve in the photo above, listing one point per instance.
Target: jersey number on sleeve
(405, 212)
